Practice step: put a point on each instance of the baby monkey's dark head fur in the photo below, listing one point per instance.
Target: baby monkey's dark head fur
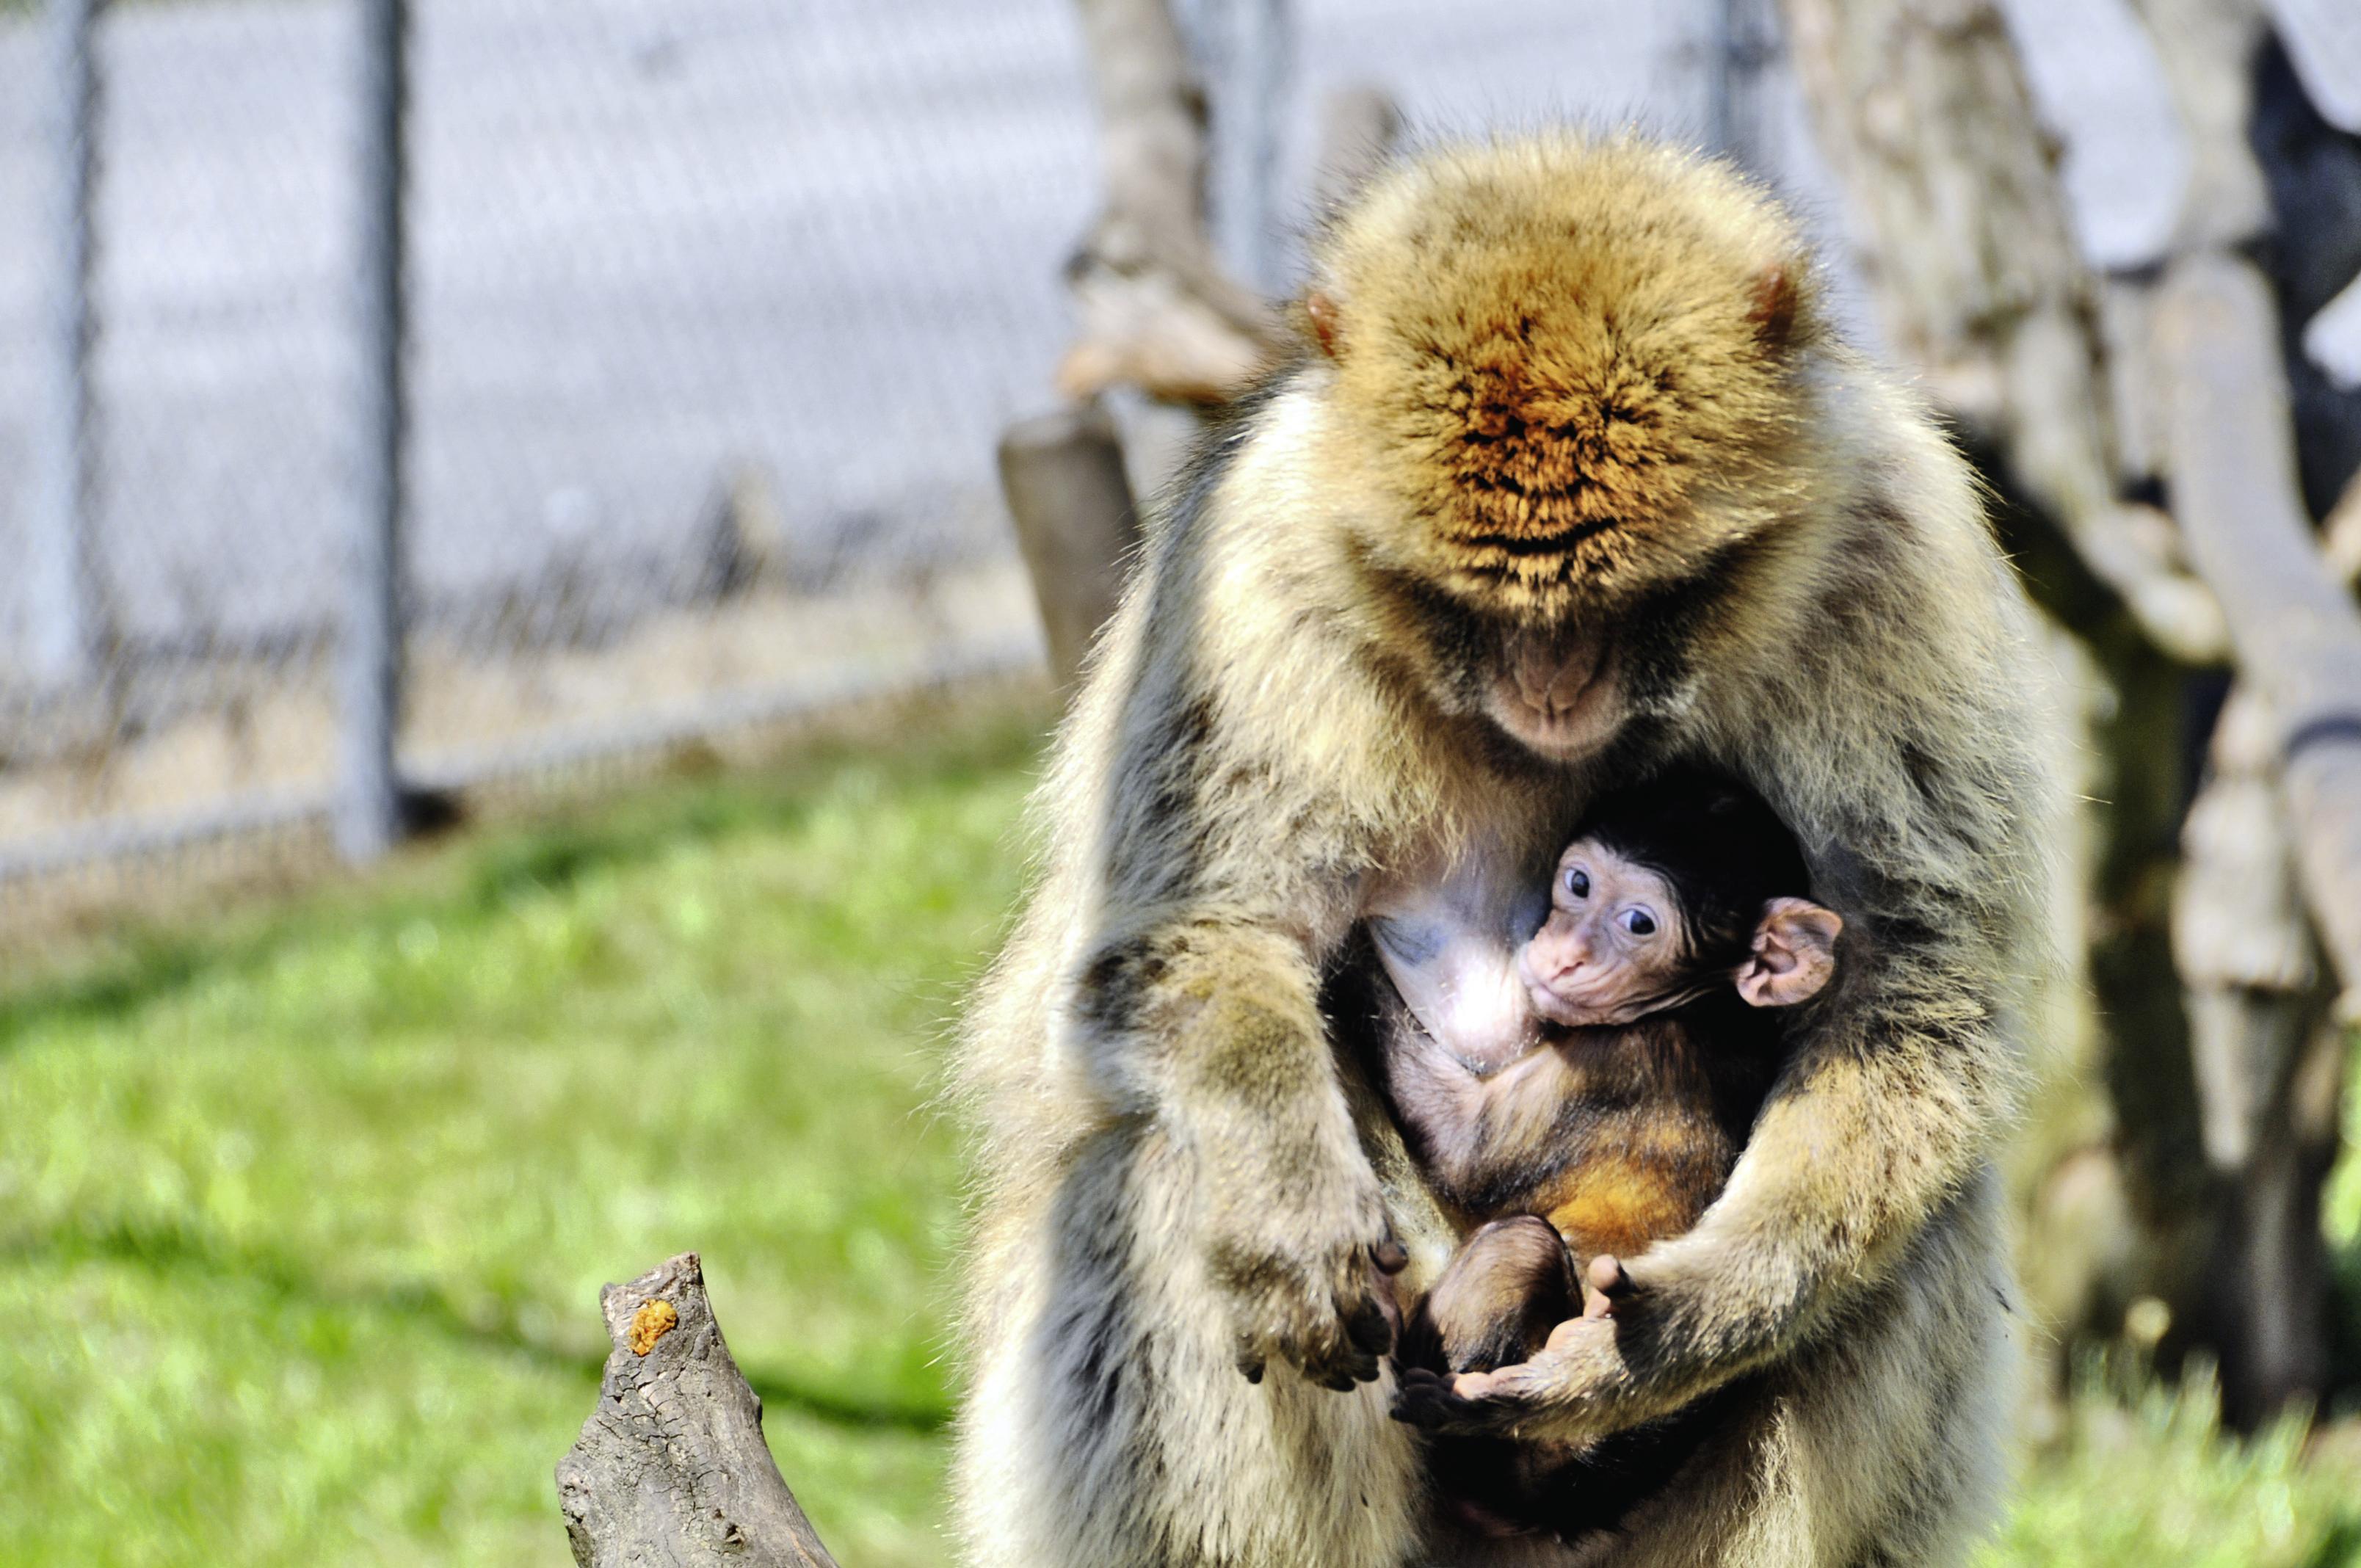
(1571, 367)
(1716, 842)
(1685, 887)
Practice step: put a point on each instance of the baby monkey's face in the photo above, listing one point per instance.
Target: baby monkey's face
(1612, 948)
(1616, 946)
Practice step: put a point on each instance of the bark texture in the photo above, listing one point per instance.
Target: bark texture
(2208, 1171)
(1158, 310)
(1923, 109)
(671, 1470)
(1063, 479)
(2297, 632)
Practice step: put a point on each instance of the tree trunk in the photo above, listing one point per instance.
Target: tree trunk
(1923, 110)
(1158, 310)
(2215, 1157)
(2298, 633)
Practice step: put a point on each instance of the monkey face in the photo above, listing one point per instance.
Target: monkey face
(1617, 946)
(1612, 950)
(1567, 406)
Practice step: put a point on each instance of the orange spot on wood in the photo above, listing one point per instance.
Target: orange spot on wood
(650, 1323)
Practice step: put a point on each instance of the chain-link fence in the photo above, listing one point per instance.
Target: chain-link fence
(714, 310)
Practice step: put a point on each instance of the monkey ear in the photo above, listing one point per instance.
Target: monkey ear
(1774, 303)
(1795, 954)
(1320, 310)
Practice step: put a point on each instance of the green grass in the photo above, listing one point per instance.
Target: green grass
(302, 1217)
(301, 1228)
(2145, 1476)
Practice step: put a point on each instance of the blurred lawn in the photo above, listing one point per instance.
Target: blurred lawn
(303, 1218)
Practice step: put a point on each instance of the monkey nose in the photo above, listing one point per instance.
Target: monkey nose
(1551, 679)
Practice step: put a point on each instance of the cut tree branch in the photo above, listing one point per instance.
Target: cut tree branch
(671, 1467)
(2296, 630)
(1062, 475)
(1158, 312)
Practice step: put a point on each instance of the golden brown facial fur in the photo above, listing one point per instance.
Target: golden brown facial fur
(1601, 394)
(1327, 693)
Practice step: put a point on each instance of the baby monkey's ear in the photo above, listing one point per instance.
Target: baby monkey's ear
(1795, 954)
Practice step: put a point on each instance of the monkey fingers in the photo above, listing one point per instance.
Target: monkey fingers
(1367, 1332)
(1607, 1283)
(1337, 1337)
(1338, 1355)
(1435, 1402)
(1312, 1290)
(1576, 1389)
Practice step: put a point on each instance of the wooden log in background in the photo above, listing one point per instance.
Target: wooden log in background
(2297, 632)
(1062, 475)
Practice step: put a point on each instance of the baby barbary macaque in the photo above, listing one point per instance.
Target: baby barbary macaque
(1678, 919)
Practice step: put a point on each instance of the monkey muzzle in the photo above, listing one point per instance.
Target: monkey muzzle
(1556, 695)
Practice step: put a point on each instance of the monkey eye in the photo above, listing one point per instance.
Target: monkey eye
(1577, 881)
(1639, 922)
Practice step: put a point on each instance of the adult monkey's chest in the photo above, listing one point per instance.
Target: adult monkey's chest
(1440, 932)
(1445, 923)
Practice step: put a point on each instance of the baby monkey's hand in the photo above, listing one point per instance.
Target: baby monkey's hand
(1605, 1283)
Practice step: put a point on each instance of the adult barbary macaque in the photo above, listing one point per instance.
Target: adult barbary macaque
(1572, 482)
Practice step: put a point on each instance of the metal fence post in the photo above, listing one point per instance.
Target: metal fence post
(368, 817)
(67, 641)
(1744, 45)
(1244, 50)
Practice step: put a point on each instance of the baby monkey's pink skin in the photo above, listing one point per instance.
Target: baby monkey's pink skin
(1616, 946)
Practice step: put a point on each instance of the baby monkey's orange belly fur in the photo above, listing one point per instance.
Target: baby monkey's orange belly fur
(1650, 1120)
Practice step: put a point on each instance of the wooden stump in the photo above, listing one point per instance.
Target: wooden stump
(1062, 475)
(671, 1467)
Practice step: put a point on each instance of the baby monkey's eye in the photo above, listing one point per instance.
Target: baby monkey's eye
(1577, 881)
(1639, 922)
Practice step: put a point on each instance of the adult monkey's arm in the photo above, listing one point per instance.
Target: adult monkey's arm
(1215, 898)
